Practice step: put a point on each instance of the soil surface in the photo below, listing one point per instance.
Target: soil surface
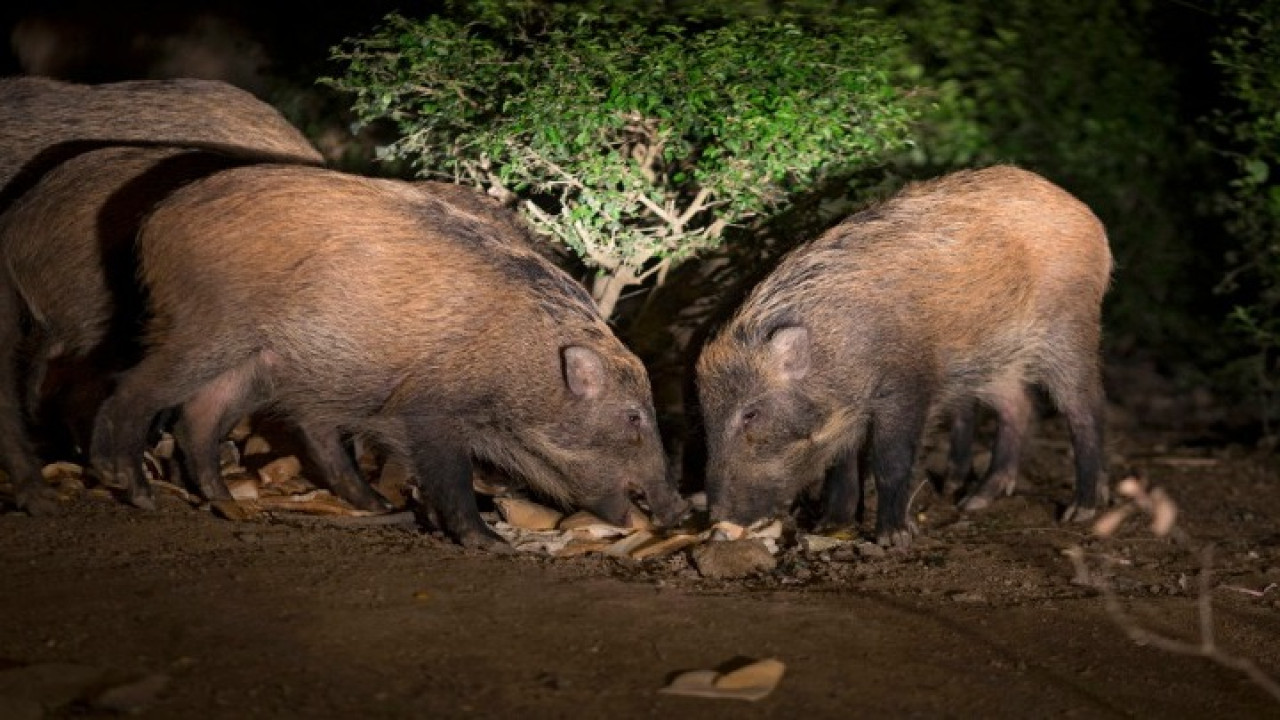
(179, 613)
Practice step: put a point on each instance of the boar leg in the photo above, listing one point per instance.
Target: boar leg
(338, 469)
(442, 470)
(1013, 407)
(162, 380)
(18, 457)
(1085, 407)
(843, 505)
(207, 417)
(960, 451)
(895, 438)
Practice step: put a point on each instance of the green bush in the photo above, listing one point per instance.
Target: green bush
(1248, 53)
(633, 133)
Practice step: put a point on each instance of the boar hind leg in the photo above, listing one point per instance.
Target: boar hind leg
(960, 450)
(18, 457)
(1013, 407)
(1084, 406)
(207, 417)
(161, 381)
(895, 438)
(442, 470)
(338, 470)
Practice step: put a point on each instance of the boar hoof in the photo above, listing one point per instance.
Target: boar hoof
(138, 494)
(1076, 513)
(38, 500)
(484, 539)
(975, 502)
(897, 539)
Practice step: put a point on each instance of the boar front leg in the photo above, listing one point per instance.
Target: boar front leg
(843, 503)
(895, 438)
(326, 449)
(442, 471)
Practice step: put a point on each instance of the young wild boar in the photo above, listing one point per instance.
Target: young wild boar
(377, 308)
(69, 292)
(43, 122)
(971, 286)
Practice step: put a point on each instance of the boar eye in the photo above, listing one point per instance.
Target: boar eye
(635, 418)
(749, 415)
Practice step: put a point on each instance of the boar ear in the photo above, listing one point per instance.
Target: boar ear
(789, 352)
(583, 372)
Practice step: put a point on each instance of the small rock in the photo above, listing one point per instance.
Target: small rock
(820, 543)
(871, 550)
(726, 559)
(969, 598)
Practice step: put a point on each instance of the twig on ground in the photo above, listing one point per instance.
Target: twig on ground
(1156, 504)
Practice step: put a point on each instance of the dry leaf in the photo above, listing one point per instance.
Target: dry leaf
(762, 674)
(61, 469)
(750, 682)
(280, 470)
(1107, 525)
(242, 487)
(725, 530)
(527, 515)
(256, 445)
(665, 547)
(630, 543)
(1164, 512)
(234, 510)
(1130, 487)
(581, 520)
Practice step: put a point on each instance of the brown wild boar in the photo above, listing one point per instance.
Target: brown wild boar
(68, 288)
(975, 285)
(381, 310)
(68, 271)
(43, 122)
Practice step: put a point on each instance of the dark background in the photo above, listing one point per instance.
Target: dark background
(1163, 316)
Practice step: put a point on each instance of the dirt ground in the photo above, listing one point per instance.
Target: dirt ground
(179, 613)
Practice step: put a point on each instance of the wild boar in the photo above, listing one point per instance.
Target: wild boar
(68, 292)
(43, 122)
(973, 286)
(379, 309)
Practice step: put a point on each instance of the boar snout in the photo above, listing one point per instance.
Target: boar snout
(613, 508)
(669, 509)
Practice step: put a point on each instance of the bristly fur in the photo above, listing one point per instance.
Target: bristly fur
(972, 285)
